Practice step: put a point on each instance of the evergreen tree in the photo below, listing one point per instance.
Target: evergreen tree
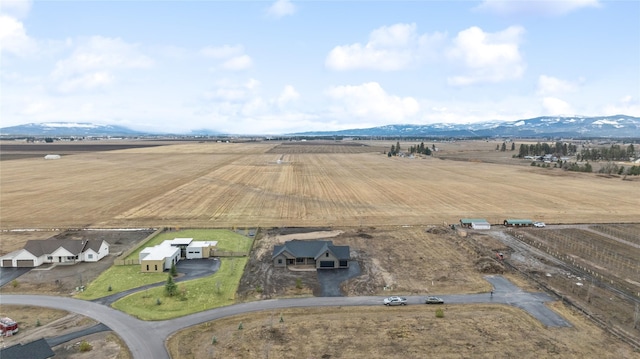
(513, 146)
(170, 288)
(504, 147)
(173, 271)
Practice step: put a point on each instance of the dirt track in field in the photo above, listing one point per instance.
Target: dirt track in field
(273, 185)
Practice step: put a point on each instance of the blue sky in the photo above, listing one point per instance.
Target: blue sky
(274, 67)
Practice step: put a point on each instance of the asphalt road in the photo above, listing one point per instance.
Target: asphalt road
(146, 339)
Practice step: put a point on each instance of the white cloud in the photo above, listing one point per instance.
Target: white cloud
(288, 95)
(535, 7)
(281, 8)
(228, 91)
(389, 48)
(14, 38)
(232, 56)
(487, 57)
(93, 63)
(555, 106)
(16, 8)
(548, 85)
(627, 105)
(369, 101)
(237, 63)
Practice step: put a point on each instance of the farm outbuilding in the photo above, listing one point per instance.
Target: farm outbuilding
(475, 223)
(518, 222)
(52, 157)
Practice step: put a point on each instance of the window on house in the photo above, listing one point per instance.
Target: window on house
(90, 256)
(147, 267)
(279, 261)
(326, 254)
(343, 263)
(156, 267)
(299, 260)
(50, 258)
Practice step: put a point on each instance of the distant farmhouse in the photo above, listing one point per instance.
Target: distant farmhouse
(318, 254)
(60, 251)
(475, 223)
(160, 257)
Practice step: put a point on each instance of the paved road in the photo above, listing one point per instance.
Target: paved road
(146, 339)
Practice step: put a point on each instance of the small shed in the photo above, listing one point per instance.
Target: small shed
(481, 225)
(518, 222)
(468, 222)
(52, 157)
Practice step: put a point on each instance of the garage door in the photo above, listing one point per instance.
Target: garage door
(7, 263)
(327, 264)
(25, 263)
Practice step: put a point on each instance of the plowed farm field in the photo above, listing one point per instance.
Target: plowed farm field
(303, 184)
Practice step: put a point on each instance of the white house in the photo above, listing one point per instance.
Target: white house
(68, 251)
(200, 249)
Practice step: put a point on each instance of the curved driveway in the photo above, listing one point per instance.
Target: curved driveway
(146, 340)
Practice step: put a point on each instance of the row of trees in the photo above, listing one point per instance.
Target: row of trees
(541, 149)
(612, 168)
(613, 153)
(419, 149)
(504, 147)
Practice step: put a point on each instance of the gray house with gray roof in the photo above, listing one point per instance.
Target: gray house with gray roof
(319, 254)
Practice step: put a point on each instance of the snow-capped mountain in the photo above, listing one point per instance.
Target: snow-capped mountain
(547, 126)
(68, 129)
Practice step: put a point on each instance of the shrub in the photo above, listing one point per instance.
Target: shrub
(158, 301)
(85, 346)
(439, 313)
(240, 326)
(15, 283)
(109, 289)
(214, 340)
(298, 283)
(38, 322)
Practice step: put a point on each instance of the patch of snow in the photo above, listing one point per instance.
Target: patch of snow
(519, 123)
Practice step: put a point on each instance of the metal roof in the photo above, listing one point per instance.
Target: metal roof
(310, 249)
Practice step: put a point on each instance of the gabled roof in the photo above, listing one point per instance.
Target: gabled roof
(38, 349)
(310, 249)
(39, 247)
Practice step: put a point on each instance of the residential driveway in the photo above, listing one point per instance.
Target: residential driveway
(146, 340)
(330, 279)
(9, 274)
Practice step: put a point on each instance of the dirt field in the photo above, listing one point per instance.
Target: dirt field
(405, 260)
(271, 185)
(466, 331)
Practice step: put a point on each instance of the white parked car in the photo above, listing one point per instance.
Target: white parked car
(539, 224)
(395, 300)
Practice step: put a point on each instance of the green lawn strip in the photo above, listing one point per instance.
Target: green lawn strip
(214, 291)
(120, 278)
(227, 240)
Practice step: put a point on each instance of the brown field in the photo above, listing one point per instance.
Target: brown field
(392, 211)
(466, 331)
(242, 184)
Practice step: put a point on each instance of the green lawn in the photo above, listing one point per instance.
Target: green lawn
(121, 278)
(214, 291)
(227, 240)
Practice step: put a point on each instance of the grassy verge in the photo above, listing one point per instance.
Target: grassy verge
(193, 296)
(119, 278)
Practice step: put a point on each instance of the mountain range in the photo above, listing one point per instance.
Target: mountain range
(546, 126)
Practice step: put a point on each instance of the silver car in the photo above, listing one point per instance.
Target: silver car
(395, 300)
